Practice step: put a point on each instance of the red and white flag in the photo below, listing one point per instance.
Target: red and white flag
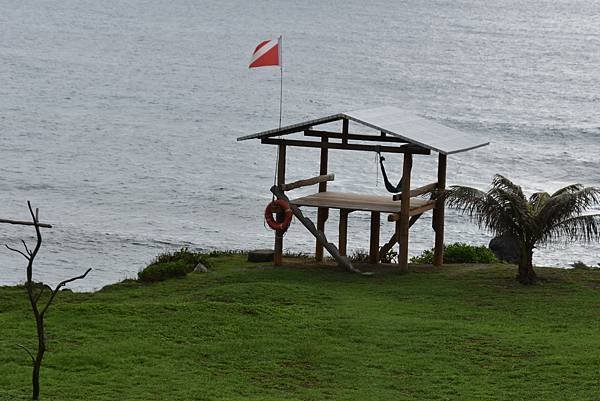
(267, 53)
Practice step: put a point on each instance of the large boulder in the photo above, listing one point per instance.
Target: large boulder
(505, 248)
(261, 255)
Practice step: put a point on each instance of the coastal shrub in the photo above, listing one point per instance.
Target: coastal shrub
(163, 271)
(359, 256)
(183, 254)
(582, 265)
(172, 264)
(458, 253)
(296, 255)
(391, 256)
(225, 252)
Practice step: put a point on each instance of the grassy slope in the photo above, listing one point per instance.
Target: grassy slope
(246, 332)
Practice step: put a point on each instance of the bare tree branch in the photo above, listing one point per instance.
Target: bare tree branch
(26, 249)
(59, 286)
(17, 251)
(35, 296)
(29, 352)
(36, 224)
(39, 295)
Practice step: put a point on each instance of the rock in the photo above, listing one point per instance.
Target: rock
(261, 255)
(505, 248)
(200, 268)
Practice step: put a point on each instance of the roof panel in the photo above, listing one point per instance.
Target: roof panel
(417, 130)
(396, 122)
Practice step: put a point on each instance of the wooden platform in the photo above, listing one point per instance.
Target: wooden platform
(368, 203)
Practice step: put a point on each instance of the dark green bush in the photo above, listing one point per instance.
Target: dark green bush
(581, 265)
(163, 271)
(458, 253)
(359, 256)
(172, 264)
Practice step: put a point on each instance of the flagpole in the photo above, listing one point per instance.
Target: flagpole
(281, 81)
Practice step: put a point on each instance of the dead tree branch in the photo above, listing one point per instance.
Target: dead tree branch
(27, 350)
(35, 296)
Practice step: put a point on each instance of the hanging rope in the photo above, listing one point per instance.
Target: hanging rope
(388, 185)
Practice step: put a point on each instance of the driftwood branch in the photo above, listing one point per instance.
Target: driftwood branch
(307, 182)
(24, 223)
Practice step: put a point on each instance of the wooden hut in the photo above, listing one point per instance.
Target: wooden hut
(392, 130)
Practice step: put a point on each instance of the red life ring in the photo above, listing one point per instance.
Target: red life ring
(276, 206)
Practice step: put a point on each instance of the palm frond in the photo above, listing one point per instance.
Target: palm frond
(583, 228)
(515, 207)
(466, 199)
(507, 185)
(538, 199)
(568, 203)
(568, 189)
(483, 209)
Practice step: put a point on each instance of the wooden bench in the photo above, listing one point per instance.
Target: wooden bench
(350, 202)
(354, 202)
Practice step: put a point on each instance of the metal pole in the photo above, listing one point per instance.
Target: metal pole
(281, 81)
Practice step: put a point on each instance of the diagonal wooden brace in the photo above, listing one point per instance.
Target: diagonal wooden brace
(342, 261)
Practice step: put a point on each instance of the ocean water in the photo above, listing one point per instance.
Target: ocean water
(118, 119)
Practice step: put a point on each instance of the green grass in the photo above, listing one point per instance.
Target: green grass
(254, 332)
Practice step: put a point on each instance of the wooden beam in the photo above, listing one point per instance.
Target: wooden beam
(322, 213)
(422, 209)
(355, 137)
(24, 223)
(414, 211)
(342, 261)
(309, 181)
(291, 129)
(394, 239)
(402, 225)
(410, 149)
(438, 213)
(374, 240)
(425, 189)
(343, 231)
(345, 131)
(278, 257)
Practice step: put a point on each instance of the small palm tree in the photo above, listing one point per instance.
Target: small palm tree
(504, 210)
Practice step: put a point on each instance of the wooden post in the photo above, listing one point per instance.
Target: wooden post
(438, 213)
(345, 131)
(374, 242)
(343, 231)
(278, 257)
(322, 213)
(402, 225)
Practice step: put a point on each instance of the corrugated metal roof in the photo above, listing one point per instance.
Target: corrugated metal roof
(397, 122)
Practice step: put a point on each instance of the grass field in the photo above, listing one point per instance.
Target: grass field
(307, 332)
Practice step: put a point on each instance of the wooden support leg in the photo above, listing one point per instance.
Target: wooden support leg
(278, 257)
(438, 213)
(374, 242)
(322, 213)
(319, 236)
(343, 231)
(322, 216)
(403, 223)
